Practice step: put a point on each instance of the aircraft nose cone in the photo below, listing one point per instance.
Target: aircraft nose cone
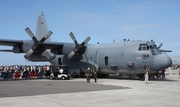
(161, 62)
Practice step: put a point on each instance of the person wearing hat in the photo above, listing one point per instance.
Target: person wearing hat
(88, 74)
(95, 72)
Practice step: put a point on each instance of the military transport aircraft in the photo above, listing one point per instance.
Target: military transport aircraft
(126, 57)
(175, 60)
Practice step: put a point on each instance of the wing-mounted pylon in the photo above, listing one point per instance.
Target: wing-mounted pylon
(37, 43)
(77, 46)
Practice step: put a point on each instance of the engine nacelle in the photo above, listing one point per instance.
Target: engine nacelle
(57, 60)
(17, 49)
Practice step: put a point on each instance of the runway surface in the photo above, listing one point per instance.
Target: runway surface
(111, 92)
(41, 87)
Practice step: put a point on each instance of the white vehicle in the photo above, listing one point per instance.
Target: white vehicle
(59, 72)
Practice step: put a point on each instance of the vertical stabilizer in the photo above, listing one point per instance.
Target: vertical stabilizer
(41, 28)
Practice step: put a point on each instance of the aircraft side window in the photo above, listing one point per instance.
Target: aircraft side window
(140, 48)
(152, 51)
(106, 60)
(151, 47)
(148, 48)
(144, 48)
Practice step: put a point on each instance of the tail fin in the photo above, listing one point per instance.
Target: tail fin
(41, 28)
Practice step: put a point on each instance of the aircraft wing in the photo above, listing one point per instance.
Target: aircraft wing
(6, 50)
(9, 42)
(46, 45)
(53, 45)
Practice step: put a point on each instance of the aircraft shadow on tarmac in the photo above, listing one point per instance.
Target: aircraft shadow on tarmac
(43, 87)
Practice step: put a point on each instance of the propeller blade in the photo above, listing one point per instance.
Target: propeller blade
(46, 36)
(73, 38)
(48, 56)
(85, 57)
(29, 53)
(71, 55)
(160, 46)
(29, 32)
(77, 47)
(85, 41)
(165, 50)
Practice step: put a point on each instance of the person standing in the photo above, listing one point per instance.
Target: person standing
(88, 74)
(147, 75)
(163, 73)
(179, 72)
(95, 71)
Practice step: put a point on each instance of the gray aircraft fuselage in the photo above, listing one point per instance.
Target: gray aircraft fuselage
(127, 57)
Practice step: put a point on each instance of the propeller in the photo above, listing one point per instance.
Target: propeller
(160, 46)
(77, 46)
(37, 43)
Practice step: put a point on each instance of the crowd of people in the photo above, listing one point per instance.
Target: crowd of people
(24, 72)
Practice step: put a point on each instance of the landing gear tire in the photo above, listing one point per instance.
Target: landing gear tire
(50, 77)
(141, 76)
(63, 78)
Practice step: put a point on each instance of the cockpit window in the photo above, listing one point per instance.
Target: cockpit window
(153, 47)
(143, 47)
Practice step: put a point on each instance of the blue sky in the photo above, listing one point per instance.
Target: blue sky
(102, 20)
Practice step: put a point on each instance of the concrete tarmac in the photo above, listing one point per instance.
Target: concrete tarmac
(114, 91)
